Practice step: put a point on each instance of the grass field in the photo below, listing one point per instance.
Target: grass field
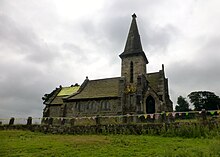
(27, 144)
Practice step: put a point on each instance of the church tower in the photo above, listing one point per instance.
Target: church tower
(133, 58)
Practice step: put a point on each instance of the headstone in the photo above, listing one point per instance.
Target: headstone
(72, 121)
(29, 121)
(50, 121)
(97, 120)
(12, 120)
(203, 113)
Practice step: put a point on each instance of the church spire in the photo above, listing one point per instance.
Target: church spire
(133, 44)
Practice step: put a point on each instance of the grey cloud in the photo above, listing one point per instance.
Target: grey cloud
(116, 30)
(109, 31)
(202, 73)
(22, 40)
(24, 58)
(22, 88)
(77, 53)
(159, 38)
(209, 51)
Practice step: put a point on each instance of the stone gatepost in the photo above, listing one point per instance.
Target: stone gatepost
(12, 120)
(50, 121)
(72, 121)
(204, 116)
(97, 120)
(29, 121)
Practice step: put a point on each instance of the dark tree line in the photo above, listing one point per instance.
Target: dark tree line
(200, 100)
(182, 104)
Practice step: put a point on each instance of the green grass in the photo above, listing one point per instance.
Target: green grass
(27, 144)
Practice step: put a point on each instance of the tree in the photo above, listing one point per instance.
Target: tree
(204, 100)
(182, 104)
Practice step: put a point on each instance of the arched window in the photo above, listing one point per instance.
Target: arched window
(131, 72)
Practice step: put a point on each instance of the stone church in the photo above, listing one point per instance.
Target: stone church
(134, 92)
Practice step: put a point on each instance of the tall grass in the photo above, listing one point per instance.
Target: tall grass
(26, 143)
(185, 130)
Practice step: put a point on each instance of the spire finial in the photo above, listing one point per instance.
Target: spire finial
(134, 15)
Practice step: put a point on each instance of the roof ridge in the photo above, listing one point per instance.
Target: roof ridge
(153, 73)
(85, 82)
(105, 79)
(53, 96)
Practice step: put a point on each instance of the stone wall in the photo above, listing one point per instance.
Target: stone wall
(55, 111)
(195, 123)
(94, 129)
(175, 129)
(108, 106)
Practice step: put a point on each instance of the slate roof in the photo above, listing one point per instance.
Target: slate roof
(154, 80)
(102, 88)
(57, 100)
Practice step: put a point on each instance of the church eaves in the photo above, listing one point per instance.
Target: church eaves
(133, 44)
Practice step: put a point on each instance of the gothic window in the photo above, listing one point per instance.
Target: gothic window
(87, 106)
(92, 107)
(138, 99)
(131, 72)
(131, 100)
(77, 107)
(105, 106)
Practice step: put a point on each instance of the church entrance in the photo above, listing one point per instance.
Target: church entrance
(150, 105)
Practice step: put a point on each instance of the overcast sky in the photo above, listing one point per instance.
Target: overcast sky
(47, 43)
